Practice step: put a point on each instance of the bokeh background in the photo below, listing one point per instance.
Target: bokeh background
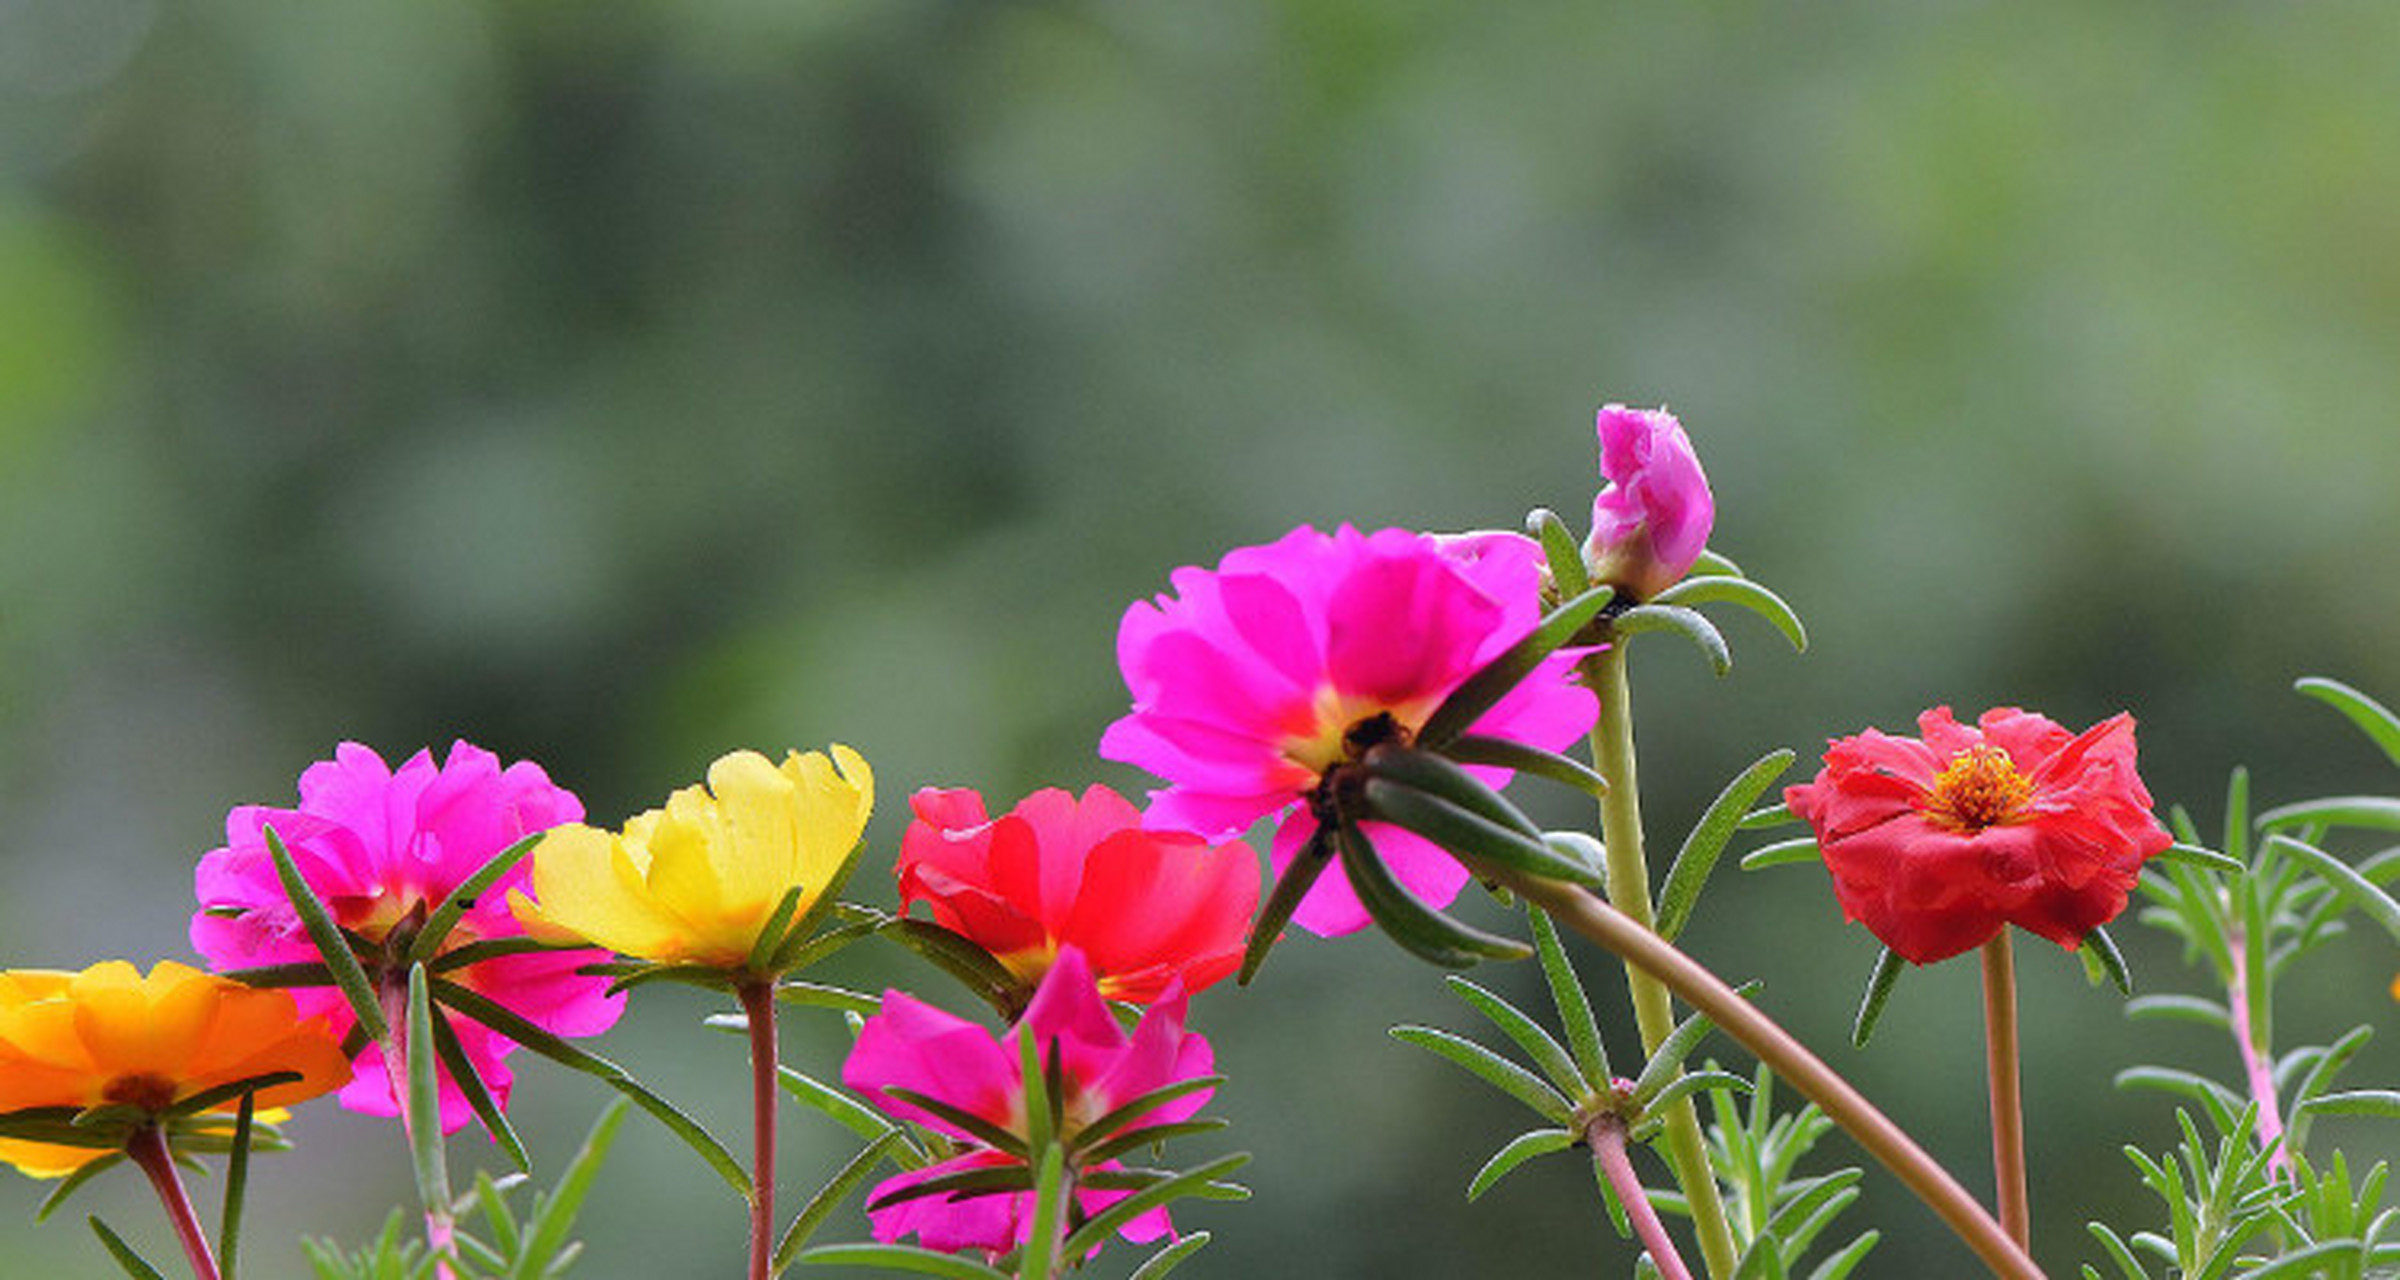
(616, 383)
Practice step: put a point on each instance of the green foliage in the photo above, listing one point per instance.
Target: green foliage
(1777, 1215)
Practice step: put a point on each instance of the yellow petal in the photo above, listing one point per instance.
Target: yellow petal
(145, 1027)
(684, 882)
(589, 888)
(759, 807)
(47, 1160)
(833, 809)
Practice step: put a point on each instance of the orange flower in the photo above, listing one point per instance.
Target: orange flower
(111, 1036)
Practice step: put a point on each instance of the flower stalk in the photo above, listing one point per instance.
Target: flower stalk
(2257, 1067)
(758, 1007)
(1640, 947)
(1629, 892)
(441, 1230)
(2008, 1098)
(147, 1148)
(1606, 1136)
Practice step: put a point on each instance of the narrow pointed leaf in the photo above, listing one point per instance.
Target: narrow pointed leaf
(1691, 1082)
(1147, 1136)
(1706, 843)
(1195, 1181)
(2372, 717)
(825, 996)
(1567, 996)
(132, 1263)
(331, 946)
(1666, 1062)
(1782, 853)
(1774, 815)
(965, 1184)
(209, 1099)
(507, 1022)
(1167, 1259)
(1049, 1214)
(1709, 564)
(1559, 548)
(2377, 813)
(1840, 1265)
(2381, 1103)
(237, 1188)
(2222, 1104)
(2101, 959)
(1880, 982)
(1687, 623)
(555, 1217)
(773, 933)
(1444, 779)
(901, 1257)
(424, 1119)
(2180, 1008)
(1133, 1109)
(1483, 690)
(1293, 885)
(428, 942)
(74, 1182)
(975, 1126)
(801, 950)
(1508, 753)
(1525, 1146)
(2345, 880)
(483, 949)
(479, 1096)
(1538, 1045)
(845, 1181)
(845, 1111)
(1743, 592)
(1423, 931)
(707, 977)
(308, 973)
(828, 903)
(961, 959)
(1499, 1072)
(2208, 859)
(1460, 831)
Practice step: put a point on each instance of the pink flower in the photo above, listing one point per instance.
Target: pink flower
(1257, 678)
(913, 1046)
(381, 847)
(1937, 845)
(1653, 519)
(1146, 908)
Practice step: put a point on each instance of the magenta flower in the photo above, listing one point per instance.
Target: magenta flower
(1257, 678)
(381, 847)
(1653, 519)
(912, 1046)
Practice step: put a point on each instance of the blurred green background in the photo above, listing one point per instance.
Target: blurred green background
(613, 384)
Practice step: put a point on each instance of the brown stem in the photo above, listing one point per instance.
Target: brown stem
(147, 1148)
(2008, 1098)
(758, 1008)
(1607, 1138)
(1746, 1023)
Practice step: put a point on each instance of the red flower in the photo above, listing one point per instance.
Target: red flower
(1935, 845)
(1144, 907)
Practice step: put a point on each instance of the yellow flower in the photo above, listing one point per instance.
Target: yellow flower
(110, 1035)
(694, 883)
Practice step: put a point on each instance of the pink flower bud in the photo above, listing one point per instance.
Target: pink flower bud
(1652, 520)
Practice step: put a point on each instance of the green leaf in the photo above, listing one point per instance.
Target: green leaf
(1666, 1061)
(1782, 853)
(554, 1217)
(2208, 859)
(1687, 623)
(310, 973)
(2102, 960)
(800, 950)
(237, 1188)
(1880, 982)
(479, 1097)
(2346, 881)
(845, 1181)
(209, 1099)
(824, 996)
(133, 1263)
(1483, 690)
(2308, 1261)
(507, 1022)
(1567, 996)
(1050, 1191)
(75, 1181)
(2175, 1008)
(1706, 842)
(1538, 1045)
(772, 934)
(1459, 831)
(1565, 556)
(1840, 1265)
(424, 1118)
(961, 959)
(1743, 592)
(992, 1180)
(1508, 753)
(1774, 815)
(975, 1126)
(1428, 934)
(2381, 1103)
(482, 949)
(1117, 1117)
(2372, 717)
(331, 946)
(901, 1257)
(1293, 885)
(1525, 1146)
(1195, 1181)
(2222, 1104)
(1167, 1259)
(2376, 813)
(428, 942)
(845, 1111)
(1499, 1072)
(1444, 779)
(1145, 1136)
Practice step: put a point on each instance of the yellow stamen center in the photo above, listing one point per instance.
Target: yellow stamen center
(1980, 788)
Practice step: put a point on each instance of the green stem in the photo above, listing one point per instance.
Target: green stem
(1586, 914)
(758, 1006)
(2008, 1097)
(1629, 891)
(147, 1148)
(441, 1231)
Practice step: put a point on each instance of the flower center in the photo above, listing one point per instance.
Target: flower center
(1342, 731)
(148, 1091)
(1980, 788)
